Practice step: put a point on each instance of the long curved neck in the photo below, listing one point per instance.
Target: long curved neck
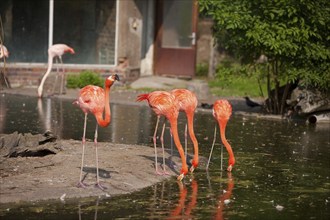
(49, 69)
(174, 129)
(222, 125)
(104, 121)
(190, 119)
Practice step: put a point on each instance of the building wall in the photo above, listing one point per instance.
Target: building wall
(130, 32)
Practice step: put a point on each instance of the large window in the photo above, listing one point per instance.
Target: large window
(89, 26)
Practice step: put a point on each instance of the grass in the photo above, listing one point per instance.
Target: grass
(233, 80)
(236, 87)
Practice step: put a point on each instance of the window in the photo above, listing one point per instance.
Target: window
(89, 26)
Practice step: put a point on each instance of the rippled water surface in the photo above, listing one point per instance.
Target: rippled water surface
(282, 169)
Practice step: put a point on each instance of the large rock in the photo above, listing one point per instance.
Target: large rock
(16, 144)
(307, 102)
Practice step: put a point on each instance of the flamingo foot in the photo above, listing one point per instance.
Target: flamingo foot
(81, 185)
(98, 185)
(180, 177)
(159, 173)
(230, 167)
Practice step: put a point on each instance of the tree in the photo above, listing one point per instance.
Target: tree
(293, 34)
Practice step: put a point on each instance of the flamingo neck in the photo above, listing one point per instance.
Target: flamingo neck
(225, 142)
(49, 69)
(104, 121)
(174, 129)
(190, 119)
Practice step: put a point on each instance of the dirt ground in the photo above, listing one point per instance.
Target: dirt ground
(123, 168)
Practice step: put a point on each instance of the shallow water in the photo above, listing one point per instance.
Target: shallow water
(282, 169)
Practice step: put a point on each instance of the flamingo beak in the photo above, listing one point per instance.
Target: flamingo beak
(117, 77)
(230, 167)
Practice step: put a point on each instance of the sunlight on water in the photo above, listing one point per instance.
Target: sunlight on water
(282, 169)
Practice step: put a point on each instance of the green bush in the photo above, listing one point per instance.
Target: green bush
(83, 79)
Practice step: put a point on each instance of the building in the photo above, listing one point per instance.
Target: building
(132, 37)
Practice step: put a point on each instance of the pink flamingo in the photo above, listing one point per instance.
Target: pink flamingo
(222, 111)
(3, 52)
(95, 100)
(188, 103)
(56, 50)
(164, 103)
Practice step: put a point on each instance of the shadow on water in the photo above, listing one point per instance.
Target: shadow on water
(282, 169)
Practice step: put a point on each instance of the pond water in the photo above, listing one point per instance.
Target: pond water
(282, 169)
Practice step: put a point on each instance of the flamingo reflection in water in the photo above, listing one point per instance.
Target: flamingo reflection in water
(181, 211)
(224, 199)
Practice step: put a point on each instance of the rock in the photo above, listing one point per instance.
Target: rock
(307, 102)
(28, 145)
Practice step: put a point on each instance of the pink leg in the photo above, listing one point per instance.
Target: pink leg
(208, 162)
(162, 141)
(80, 183)
(62, 77)
(98, 184)
(186, 141)
(155, 142)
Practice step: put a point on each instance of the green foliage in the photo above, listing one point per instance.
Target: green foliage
(83, 79)
(294, 35)
(234, 80)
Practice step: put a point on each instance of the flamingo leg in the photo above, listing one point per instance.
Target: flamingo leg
(62, 76)
(56, 77)
(208, 162)
(186, 141)
(162, 142)
(80, 183)
(155, 146)
(98, 184)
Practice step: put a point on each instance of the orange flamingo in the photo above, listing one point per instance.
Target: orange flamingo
(188, 103)
(222, 111)
(56, 50)
(95, 100)
(164, 103)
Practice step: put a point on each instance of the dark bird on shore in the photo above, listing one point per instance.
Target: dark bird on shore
(251, 103)
(207, 106)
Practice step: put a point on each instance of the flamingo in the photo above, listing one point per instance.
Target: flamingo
(95, 100)
(164, 103)
(222, 111)
(3, 51)
(56, 50)
(188, 103)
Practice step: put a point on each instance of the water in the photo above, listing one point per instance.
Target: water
(282, 169)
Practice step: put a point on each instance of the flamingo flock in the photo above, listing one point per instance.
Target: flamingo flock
(169, 104)
(95, 100)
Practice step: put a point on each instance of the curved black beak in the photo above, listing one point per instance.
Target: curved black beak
(117, 77)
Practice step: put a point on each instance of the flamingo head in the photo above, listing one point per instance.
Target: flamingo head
(70, 50)
(111, 79)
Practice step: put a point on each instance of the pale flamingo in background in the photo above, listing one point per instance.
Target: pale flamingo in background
(95, 100)
(164, 103)
(188, 103)
(222, 111)
(3, 52)
(56, 50)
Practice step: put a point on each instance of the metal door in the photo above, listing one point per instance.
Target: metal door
(175, 47)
